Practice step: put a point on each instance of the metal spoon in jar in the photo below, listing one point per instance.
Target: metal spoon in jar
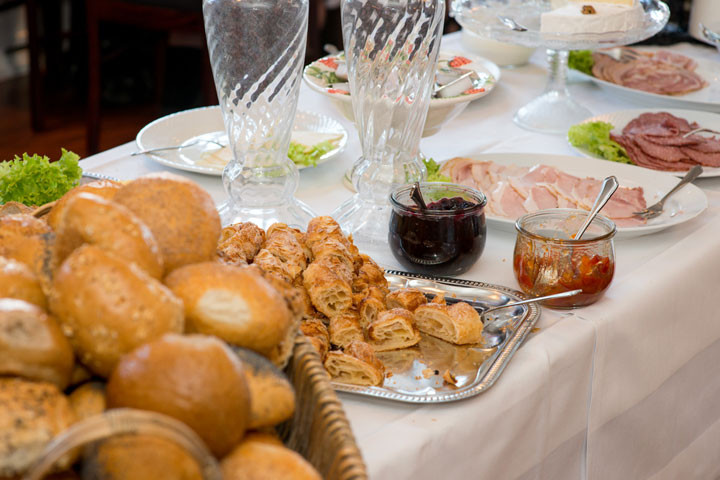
(610, 184)
(416, 196)
(494, 332)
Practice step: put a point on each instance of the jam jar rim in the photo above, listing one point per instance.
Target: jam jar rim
(478, 197)
(559, 241)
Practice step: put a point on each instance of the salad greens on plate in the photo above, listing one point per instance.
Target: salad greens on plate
(595, 138)
(433, 169)
(308, 155)
(581, 60)
(34, 180)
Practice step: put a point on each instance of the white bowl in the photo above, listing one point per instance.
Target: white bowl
(503, 54)
(441, 110)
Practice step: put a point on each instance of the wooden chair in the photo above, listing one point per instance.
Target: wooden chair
(157, 15)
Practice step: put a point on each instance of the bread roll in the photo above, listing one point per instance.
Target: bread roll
(18, 281)
(272, 398)
(32, 345)
(458, 323)
(32, 414)
(107, 307)
(88, 218)
(196, 379)
(140, 457)
(88, 400)
(180, 214)
(26, 239)
(102, 188)
(256, 459)
(233, 303)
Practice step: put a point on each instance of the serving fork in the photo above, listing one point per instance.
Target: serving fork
(656, 209)
(622, 55)
(699, 130)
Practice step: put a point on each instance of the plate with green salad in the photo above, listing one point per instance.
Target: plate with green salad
(203, 145)
(595, 137)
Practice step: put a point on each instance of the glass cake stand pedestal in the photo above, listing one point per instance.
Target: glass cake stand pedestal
(555, 110)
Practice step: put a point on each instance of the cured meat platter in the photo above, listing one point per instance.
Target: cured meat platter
(416, 374)
(620, 119)
(681, 207)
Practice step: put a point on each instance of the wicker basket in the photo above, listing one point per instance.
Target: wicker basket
(319, 429)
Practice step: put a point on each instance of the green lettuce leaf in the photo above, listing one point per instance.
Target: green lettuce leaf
(304, 155)
(33, 180)
(433, 169)
(595, 138)
(581, 60)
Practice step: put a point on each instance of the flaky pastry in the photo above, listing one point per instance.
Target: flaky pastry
(458, 323)
(392, 330)
(357, 365)
(345, 328)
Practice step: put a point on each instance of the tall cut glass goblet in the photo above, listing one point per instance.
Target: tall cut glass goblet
(391, 48)
(257, 48)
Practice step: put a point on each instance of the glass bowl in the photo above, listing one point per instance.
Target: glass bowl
(547, 260)
(437, 242)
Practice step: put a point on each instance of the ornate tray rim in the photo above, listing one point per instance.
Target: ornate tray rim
(524, 325)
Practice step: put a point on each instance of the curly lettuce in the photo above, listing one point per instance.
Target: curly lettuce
(305, 156)
(595, 138)
(34, 180)
(581, 60)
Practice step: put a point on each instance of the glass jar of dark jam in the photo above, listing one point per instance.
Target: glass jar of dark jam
(447, 238)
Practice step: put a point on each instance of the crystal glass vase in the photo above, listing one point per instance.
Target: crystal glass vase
(257, 49)
(391, 48)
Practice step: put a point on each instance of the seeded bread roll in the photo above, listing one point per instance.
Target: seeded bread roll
(32, 414)
(272, 398)
(26, 239)
(256, 458)
(88, 400)
(102, 188)
(233, 303)
(18, 281)
(140, 457)
(107, 307)
(180, 214)
(88, 218)
(32, 345)
(196, 379)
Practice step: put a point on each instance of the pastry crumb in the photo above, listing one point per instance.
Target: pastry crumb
(388, 374)
(535, 330)
(428, 372)
(449, 378)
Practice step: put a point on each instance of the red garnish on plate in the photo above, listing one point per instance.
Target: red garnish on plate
(473, 91)
(338, 90)
(329, 62)
(459, 62)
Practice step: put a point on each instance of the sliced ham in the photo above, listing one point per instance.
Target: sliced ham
(516, 191)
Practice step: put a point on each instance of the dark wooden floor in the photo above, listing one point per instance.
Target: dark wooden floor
(65, 124)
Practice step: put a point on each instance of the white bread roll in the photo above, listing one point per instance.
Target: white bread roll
(180, 214)
(88, 400)
(196, 379)
(32, 345)
(234, 303)
(88, 218)
(107, 307)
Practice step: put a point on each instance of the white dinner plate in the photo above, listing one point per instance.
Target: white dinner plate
(206, 124)
(707, 98)
(685, 205)
(620, 119)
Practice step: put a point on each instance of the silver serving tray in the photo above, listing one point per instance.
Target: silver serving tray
(417, 373)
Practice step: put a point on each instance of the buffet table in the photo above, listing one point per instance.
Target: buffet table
(625, 388)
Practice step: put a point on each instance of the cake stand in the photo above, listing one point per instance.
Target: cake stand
(555, 110)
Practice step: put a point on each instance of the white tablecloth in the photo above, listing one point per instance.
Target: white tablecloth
(626, 388)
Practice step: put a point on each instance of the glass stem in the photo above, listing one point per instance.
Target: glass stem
(557, 81)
